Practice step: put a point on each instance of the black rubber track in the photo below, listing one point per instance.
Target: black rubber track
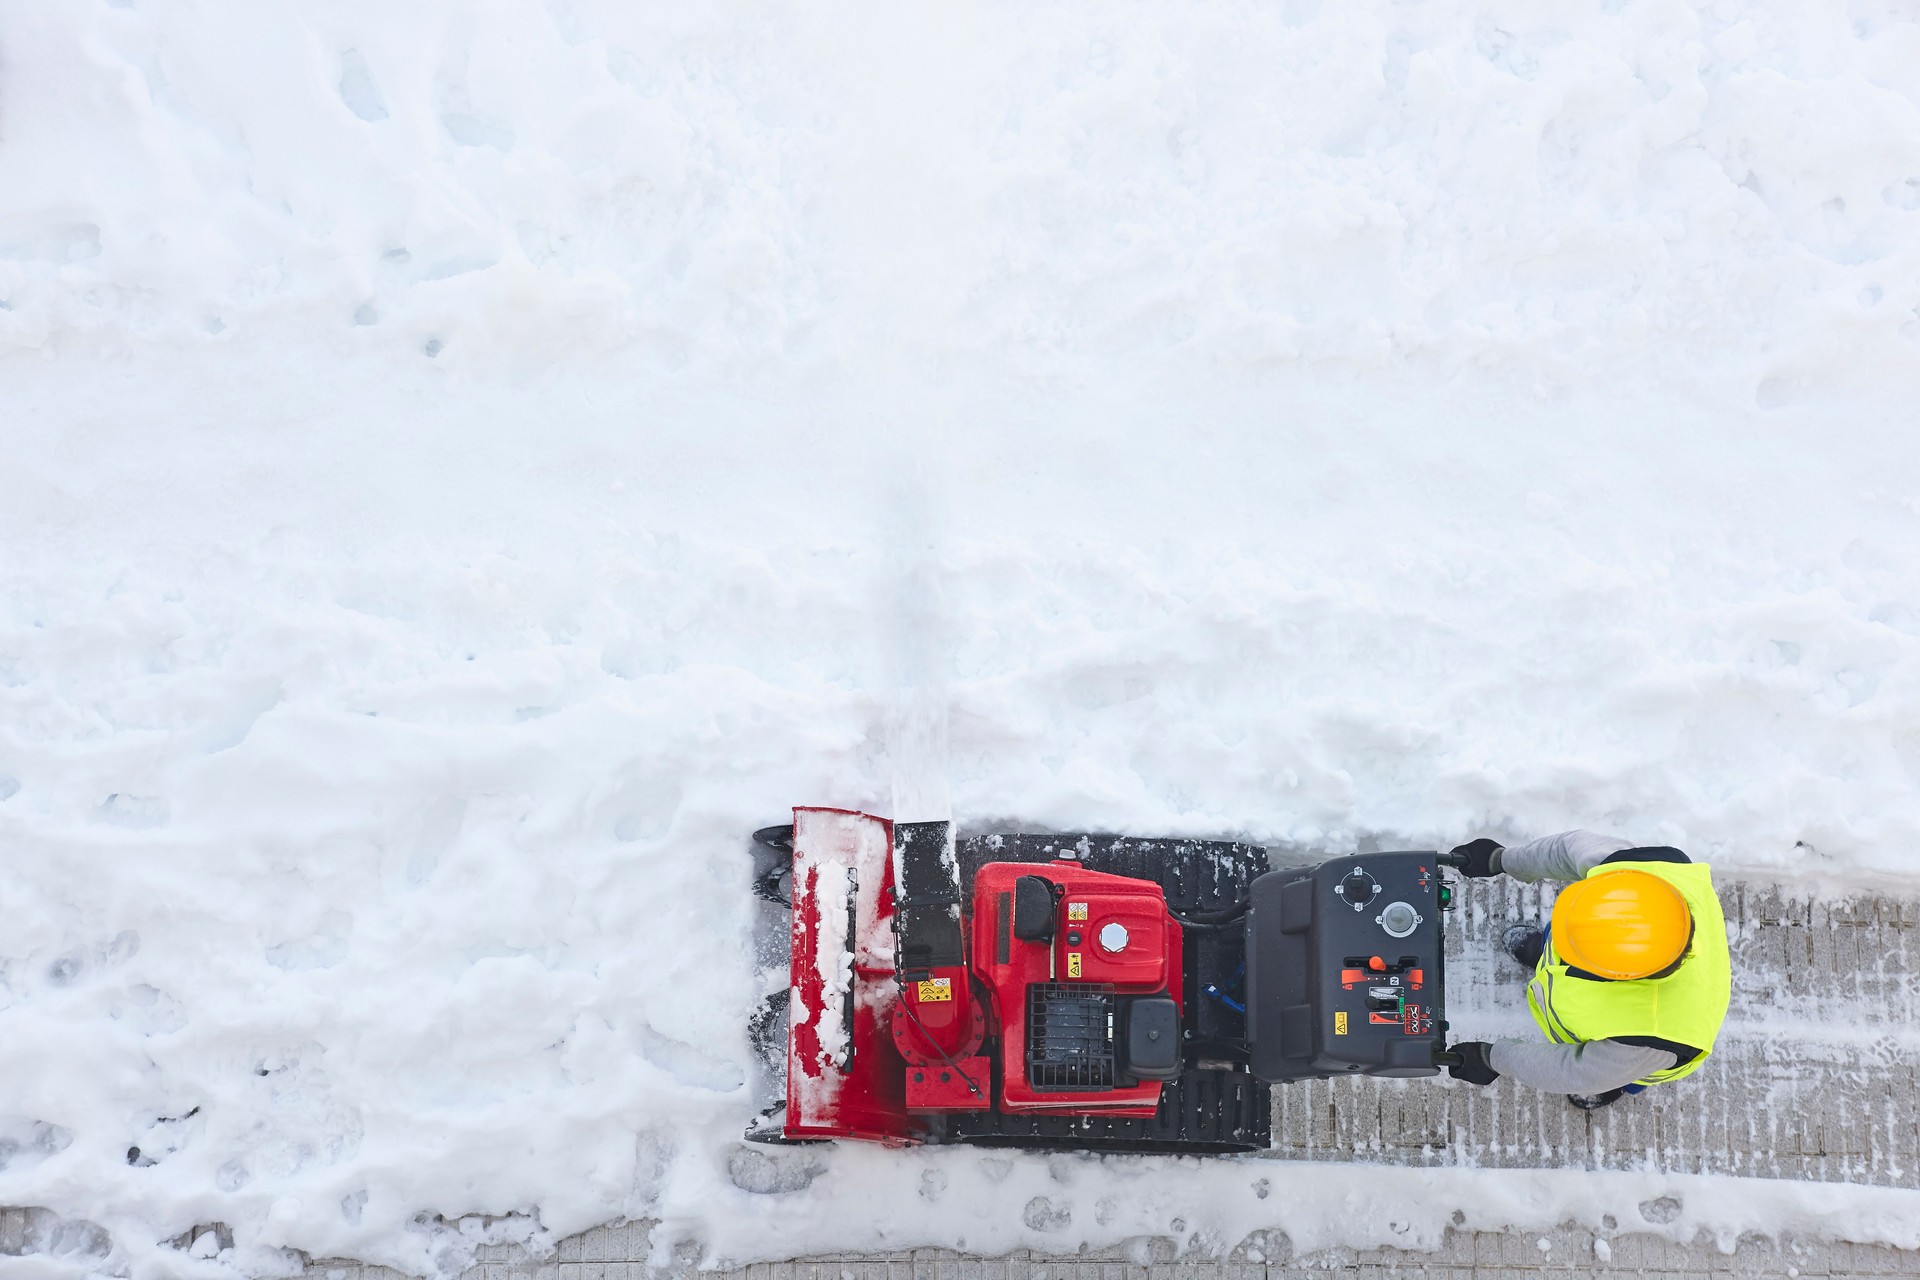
(1209, 1109)
(1198, 876)
(1205, 1111)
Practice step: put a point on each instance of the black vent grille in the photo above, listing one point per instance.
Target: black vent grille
(1070, 1037)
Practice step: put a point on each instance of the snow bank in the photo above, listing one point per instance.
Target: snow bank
(994, 1203)
(469, 464)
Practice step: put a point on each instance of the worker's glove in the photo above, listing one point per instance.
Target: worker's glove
(1479, 858)
(1473, 1066)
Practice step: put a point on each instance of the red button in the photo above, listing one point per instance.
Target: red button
(1376, 964)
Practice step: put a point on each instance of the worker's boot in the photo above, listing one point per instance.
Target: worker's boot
(1524, 942)
(1593, 1102)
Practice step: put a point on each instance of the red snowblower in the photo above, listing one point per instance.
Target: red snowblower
(1086, 992)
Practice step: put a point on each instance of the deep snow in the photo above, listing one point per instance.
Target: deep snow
(469, 464)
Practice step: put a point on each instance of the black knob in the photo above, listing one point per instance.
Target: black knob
(1358, 888)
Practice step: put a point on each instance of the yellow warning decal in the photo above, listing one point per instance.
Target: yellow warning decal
(1339, 1021)
(1073, 964)
(1076, 911)
(935, 990)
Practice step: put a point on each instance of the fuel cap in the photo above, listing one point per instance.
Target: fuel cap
(1113, 937)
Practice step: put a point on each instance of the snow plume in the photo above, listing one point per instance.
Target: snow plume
(914, 618)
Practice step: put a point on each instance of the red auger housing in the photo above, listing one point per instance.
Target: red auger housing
(1050, 991)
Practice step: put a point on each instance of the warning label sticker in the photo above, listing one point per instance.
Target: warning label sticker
(1076, 911)
(935, 990)
(1340, 1022)
(1073, 964)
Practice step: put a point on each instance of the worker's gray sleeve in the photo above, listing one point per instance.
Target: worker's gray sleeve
(1567, 856)
(1590, 1068)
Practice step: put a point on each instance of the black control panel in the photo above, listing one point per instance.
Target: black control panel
(1344, 968)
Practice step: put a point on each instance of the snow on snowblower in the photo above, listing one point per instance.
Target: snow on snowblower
(1091, 992)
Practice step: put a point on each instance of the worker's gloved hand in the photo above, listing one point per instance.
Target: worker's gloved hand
(1473, 1066)
(1479, 857)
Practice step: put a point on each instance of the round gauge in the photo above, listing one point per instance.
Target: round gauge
(1399, 919)
(1113, 937)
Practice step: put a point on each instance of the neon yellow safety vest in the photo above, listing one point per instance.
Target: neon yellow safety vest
(1685, 1008)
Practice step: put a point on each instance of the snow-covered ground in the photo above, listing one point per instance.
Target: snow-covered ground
(466, 465)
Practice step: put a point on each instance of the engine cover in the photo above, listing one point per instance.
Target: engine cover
(1063, 986)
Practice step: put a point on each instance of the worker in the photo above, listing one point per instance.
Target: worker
(1631, 976)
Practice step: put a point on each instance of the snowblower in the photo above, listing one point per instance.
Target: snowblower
(1083, 992)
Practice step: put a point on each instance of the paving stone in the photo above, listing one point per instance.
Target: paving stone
(13, 1231)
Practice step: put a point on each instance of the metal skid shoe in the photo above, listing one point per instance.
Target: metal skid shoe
(767, 1025)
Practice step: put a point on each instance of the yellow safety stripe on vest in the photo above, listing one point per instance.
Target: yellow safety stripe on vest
(1540, 1000)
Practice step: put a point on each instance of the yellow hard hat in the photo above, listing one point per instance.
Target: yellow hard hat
(1621, 924)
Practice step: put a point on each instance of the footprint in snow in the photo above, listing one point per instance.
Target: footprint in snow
(765, 1173)
(135, 813)
(1660, 1211)
(472, 131)
(25, 1142)
(359, 90)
